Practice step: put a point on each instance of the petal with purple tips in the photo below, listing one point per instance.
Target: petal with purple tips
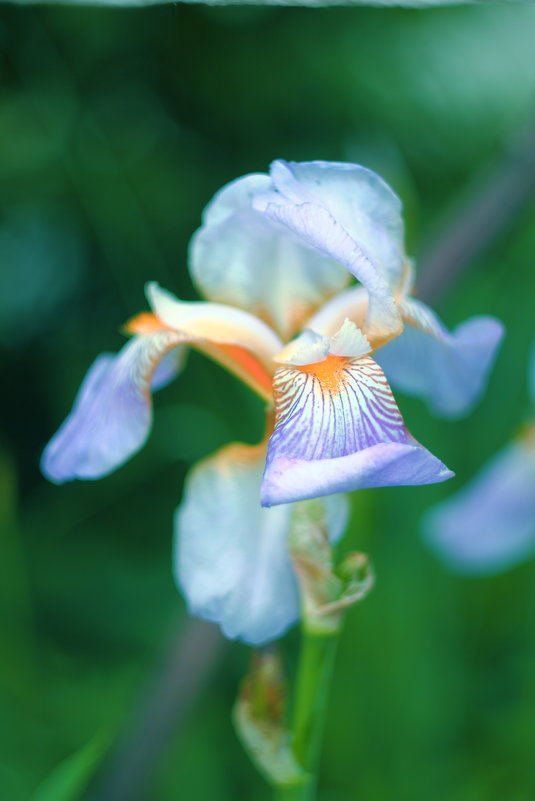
(112, 413)
(448, 370)
(338, 428)
(358, 198)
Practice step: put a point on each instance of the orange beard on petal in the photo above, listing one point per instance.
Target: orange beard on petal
(145, 323)
(329, 372)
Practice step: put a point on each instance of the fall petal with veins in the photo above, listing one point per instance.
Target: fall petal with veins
(112, 413)
(338, 428)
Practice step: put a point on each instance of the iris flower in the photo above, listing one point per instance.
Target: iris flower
(489, 525)
(273, 258)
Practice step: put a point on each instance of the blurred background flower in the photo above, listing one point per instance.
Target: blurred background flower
(116, 126)
(489, 525)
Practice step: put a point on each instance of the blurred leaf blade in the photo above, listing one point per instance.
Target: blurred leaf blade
(71, 777)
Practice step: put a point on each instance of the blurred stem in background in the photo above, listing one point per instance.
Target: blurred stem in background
(174, 689)
(478, 218)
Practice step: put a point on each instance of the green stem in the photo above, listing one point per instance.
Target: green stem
(311, 699)
(291, 793)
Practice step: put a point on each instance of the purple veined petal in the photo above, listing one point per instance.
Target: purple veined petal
(489, 525)
(231, 556)
(241, 258)
(112, 414)
(339, 429)
(359, 199)
(448, 370)
(168, 368)
(319, 229)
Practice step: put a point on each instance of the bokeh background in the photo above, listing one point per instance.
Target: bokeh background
(116, 127)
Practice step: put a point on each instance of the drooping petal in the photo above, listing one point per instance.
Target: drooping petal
(168, 368)
(448, 370)
(338, 429)
(242, 258)
(112, 413)
(231, 556)
(489, 525)
(313, 201)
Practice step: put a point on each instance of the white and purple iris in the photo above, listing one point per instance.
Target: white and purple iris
(489, 525)
(273, 259)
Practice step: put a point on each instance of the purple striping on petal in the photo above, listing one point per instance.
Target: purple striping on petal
(338, 429)
(316, 421)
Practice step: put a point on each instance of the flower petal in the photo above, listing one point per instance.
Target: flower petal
(363, 204)
(310, 348)
(112, 414)
(338, 428)
(236, 339)
(305, 199)
(214, 322)
(241, 258)
(448, 370)
(489, 525)
(351, 304)
(231, 557)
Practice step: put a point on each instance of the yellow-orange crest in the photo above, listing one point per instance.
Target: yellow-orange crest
(330, 372)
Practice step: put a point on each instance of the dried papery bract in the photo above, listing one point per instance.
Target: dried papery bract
(326, 591)
(260, 721)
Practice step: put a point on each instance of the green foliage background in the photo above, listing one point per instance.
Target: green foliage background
(116, 127)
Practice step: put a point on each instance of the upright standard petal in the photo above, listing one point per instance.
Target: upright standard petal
(242, 258)
(112, 413)
(338, 429)
(489, 525)
(238, 573)
(448, 370)
(351, 304)
(363, 204)
(315, 201)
